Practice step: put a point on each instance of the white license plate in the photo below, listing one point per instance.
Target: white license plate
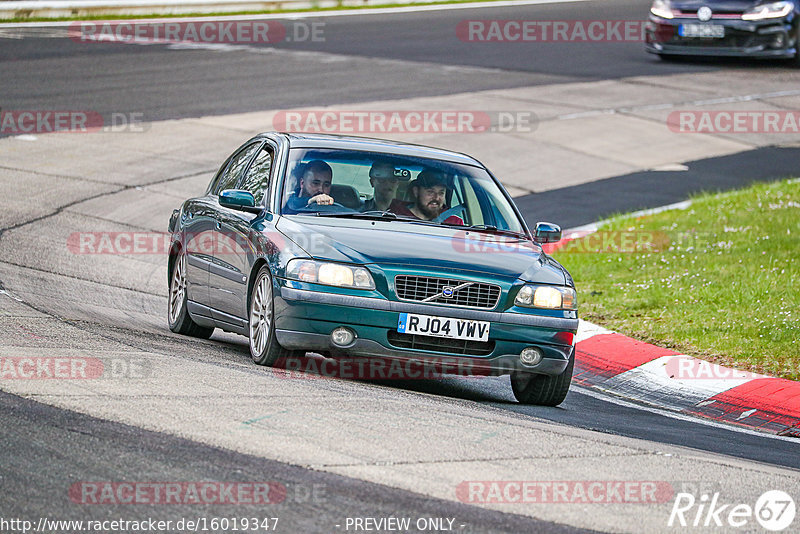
(449, 327)
(714, 31)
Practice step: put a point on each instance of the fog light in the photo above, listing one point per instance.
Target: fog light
(530, 356)
(341, 337)
(779, 41)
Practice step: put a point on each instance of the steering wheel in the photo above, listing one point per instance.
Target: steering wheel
(325, 208)
(449, 213)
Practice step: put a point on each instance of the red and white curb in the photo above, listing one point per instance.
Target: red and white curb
(635, 370)
(632, 369)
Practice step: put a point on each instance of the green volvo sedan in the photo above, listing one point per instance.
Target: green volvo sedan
(352, 247)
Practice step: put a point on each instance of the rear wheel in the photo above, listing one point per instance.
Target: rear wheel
(264, 348)
(178, 316)
(543, 390)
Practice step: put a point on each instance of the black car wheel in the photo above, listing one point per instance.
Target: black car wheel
(177, 315)
(264, 348)
(796, 58)
(543, 390)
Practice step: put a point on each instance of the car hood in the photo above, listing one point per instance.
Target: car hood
(439, 248)
(715, 5)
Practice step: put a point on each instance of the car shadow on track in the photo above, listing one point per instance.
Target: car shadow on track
(729, 62)
(313, 366)
(380, 372)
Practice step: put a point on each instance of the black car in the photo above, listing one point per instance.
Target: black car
(724, 28)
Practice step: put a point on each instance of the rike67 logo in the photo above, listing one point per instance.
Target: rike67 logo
(774, 510)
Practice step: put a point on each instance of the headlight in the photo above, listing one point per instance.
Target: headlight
(552, 297)
(768, 11)
(662, 8)
(332, 274)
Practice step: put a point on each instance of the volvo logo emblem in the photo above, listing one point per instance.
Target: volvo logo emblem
(447, 292)
(704, 13)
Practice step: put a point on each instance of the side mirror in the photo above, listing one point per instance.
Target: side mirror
(239, 199)
(547, 233)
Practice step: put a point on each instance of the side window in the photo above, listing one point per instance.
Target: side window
(236, 168)
(215, 181)
(257, 180)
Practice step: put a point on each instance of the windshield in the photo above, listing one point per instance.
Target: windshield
(363, 184)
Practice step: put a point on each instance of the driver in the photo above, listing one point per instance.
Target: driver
(315, 186)
(429, 192)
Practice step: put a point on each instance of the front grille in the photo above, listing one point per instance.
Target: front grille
(420, 288)
(732, 39)
(440, 344)
(722, 14)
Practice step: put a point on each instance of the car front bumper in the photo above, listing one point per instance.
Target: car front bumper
(305, 319)
(774, 38)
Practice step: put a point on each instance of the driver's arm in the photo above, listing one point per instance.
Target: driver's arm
(321, 199)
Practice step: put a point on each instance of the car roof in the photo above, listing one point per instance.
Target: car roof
(303, 140)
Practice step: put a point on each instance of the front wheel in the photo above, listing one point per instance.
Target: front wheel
(264, 348)
(543, 390)
(178, 316)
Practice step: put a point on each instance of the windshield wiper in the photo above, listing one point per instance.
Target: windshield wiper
(376, 214)
(495, 230)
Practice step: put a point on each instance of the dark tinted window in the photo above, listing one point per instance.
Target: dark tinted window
(257, 180)
(236, 168)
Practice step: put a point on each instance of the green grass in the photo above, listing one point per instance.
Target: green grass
(720, 281)
(233, 13)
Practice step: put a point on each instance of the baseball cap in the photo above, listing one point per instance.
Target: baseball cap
(383, 170)
(430, 178)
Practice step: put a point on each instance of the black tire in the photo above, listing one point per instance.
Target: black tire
(542, 390)
(178, 316)
(264, 348)
(795, 61)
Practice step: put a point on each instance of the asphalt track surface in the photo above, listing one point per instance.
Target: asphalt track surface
(103, 450)
(601, 199)
(362, 58)
(403, 59)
